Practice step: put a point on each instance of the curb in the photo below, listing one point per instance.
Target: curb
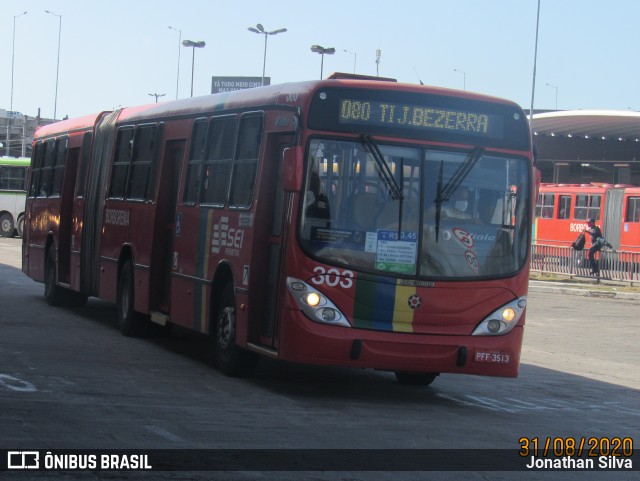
(555, 288)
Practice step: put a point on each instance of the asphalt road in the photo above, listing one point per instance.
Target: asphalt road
(69, 380)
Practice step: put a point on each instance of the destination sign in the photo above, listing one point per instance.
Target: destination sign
(410, 116)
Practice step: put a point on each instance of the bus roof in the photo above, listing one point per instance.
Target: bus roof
(592, 187)
(70, 125)
(279, 95)
(18, 161)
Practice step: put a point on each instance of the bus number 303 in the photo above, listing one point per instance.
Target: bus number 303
(333, 277)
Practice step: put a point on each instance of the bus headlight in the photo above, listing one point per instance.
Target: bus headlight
(502, 320)
(313, 299)
(314, 304)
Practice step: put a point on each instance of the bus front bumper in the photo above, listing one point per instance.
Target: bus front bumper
(308, 342)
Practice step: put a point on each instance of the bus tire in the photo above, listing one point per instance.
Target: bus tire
(129, 321)
(231, 359)
(7, 228)
(20, 226)
(416, 378)
(53, 293)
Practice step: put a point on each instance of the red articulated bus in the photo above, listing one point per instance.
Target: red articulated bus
(562, 212)
(350, 222)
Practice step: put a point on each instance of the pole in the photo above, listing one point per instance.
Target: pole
(179, 49)
(193, 63)
(13, 54)
(264, 61)
(178, 75)
(24, 137)
(533, 83)
(55, 104)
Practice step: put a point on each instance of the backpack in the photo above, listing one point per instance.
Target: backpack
(578, 244)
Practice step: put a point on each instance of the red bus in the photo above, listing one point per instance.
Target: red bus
(314, 222)
(562, 212)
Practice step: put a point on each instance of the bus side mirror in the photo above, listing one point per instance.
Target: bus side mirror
(292, 169)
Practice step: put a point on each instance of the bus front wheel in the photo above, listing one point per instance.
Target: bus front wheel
(416, 378)
(129, 320)
(231, 360)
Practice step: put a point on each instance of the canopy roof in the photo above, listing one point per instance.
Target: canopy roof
(607, 124)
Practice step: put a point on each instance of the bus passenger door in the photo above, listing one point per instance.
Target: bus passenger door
(66, 216)
(272, 280)
(612, 218)
(162, 259)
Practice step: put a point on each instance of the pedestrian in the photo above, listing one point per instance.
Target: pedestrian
(597, 241)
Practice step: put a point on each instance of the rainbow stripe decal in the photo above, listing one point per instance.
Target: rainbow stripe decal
(383, 305)
(200, 291)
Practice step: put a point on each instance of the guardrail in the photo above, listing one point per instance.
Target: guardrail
(619, 266)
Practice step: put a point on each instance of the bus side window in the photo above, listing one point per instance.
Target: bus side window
(48, 159)
(245, 166)
(84, 163)
(217, 160)
(633, 209)
(545, 205)
(12, 178)
(564, 209)
(142, 177)
(194, 168)
(120, 169)
(58, 166)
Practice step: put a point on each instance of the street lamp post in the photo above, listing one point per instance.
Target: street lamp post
(260, 29)
(464, 78)
(156, 96)
(194, 45)
(355, 56)
(55, 103)
(549, 85)
(179, 42)
(13, 52)
(322, 51)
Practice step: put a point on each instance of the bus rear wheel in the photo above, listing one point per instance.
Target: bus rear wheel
(7, 228)
(129, 321)
(20, 226)
(53, 293)
(416, 378)
(231, 359)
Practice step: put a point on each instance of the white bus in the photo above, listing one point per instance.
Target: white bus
(13, 172)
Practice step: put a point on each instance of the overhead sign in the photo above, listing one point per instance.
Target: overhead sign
(229, 84)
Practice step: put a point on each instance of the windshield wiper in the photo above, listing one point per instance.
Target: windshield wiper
(385, 171)
(444, 193)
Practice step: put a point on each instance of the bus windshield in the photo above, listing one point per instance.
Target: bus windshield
(460, 214)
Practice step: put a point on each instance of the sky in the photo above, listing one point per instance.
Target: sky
(115, 53)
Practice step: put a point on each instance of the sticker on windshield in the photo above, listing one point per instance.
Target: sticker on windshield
(396, 254)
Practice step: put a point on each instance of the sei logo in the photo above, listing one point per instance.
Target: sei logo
(333, 277)
(225, 236)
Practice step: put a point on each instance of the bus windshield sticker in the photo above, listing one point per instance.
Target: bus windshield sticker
(395, 254)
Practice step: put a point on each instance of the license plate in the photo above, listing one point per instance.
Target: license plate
(497, 357)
